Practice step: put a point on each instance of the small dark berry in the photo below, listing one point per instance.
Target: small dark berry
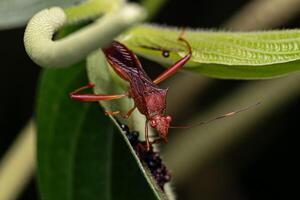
(156, 158)
(135, 133)
(159, 170)
(152, 165)
(133, 139)
(125, 128)
(167, 177)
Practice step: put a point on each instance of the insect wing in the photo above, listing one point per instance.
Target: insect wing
(123, 60)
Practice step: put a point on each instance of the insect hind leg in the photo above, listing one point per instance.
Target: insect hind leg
(179, 64)
(182, 39)
(93, 97)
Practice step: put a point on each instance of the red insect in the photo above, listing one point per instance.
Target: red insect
(148, 98)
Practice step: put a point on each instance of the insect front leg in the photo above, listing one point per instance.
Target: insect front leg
(94, 97)
(158, 141)
(147, 136)
(178, 65)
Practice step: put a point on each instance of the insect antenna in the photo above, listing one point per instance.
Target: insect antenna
(217, 118)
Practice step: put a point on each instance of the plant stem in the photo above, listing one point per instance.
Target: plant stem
(73, 48)
(18, 164)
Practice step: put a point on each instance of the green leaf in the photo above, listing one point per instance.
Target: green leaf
(238, 55)
(15, 13)
(80, 154)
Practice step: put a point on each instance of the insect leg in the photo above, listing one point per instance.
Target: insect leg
(126, 116)
(147, 136)
(178, 65)
(93, 97)
(96, 97)
(157, 141)
(129, 112)
(89, 85)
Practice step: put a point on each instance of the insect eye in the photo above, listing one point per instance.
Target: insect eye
(169, 118)
(153, 123)
(165, 54)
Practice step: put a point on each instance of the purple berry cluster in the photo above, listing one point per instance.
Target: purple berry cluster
(151, 158)
(157, 168)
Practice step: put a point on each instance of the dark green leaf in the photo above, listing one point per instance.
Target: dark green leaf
(80, 154)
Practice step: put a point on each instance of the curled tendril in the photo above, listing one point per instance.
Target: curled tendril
(73, 48)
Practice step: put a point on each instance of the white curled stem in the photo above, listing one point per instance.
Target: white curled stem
(73, 48)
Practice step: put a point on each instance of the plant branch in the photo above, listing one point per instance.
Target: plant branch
(18, 165)
(73, 48)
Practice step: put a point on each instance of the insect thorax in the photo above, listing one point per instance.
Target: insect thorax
(156, 102)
